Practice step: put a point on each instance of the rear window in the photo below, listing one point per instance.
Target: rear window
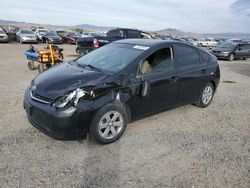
(116, 34)
(133, 34)
(185, 56)
(205, 57)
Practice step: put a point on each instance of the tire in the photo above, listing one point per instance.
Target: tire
(231, 57)
(109, 124)
(41, 67)
(31, 65)
(206, 96)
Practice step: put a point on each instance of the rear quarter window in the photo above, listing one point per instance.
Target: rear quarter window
(185, 56)
(205, 57)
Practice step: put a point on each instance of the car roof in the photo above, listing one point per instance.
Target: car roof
(148, 42)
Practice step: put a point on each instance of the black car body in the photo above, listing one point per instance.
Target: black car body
(134, 78)
(87, 44)
(52, 37)
(231, 51)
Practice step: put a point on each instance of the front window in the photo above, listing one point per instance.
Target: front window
(26, 32)
(161, 60)
(51, 34)
(72, 34)
(42, 30)
(226, 45)
(113, 57)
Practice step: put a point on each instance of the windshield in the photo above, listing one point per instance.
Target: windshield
(26, 32)
(226, 45)
(113, 57)
(72, 34)
(42, 30)
(51, 34)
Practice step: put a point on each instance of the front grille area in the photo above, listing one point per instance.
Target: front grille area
(39, 98)
(217, 51)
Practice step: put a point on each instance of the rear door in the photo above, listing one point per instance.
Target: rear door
(192, 72)
(245, 50)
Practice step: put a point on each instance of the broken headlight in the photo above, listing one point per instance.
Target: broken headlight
(73, 96)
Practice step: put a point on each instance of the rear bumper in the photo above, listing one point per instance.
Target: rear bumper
(63, 124)
(84, 50)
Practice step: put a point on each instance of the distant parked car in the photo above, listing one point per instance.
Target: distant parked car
(25, 36)
(60, 32)
(207, 43)
(90, 34)
(52, 37)
(238, 41)
(70, 37)
(231, 51)
(39, 33)
(3, 36)
(87, 44)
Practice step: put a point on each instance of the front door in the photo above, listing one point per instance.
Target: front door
(158, 70)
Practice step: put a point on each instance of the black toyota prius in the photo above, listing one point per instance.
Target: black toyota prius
(104, 90)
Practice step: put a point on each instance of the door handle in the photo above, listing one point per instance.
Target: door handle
(204, 71)
(173, 79)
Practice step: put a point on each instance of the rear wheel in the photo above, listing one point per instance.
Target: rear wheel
(108, 124)
(206, 96)
(41, 67)
(231, 57)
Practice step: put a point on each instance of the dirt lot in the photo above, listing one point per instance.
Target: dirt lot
(183, 147)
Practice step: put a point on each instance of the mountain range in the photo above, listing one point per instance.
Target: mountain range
(88, 27)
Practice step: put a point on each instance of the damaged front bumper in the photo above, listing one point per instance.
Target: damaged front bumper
(64, 124)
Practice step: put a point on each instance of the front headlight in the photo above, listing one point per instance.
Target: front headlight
(225, 52)
(73, 96)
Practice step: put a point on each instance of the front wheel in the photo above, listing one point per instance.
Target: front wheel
(231, 57)
(108, 124)
(206, 96)
(31, 65)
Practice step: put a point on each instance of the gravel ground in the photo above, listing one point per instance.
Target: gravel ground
(183, 147)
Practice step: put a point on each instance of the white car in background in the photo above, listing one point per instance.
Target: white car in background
(207, 42)
(26, 35)
(3, 36)
(40, 32)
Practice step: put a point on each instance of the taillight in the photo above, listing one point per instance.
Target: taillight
(96, 43)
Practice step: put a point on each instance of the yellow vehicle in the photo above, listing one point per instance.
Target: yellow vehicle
(47, 57)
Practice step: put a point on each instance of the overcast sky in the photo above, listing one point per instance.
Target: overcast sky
(187, 15)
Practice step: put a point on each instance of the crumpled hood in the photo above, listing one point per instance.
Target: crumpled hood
(62, 79)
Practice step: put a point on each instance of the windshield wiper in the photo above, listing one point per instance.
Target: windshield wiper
(91, 66)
